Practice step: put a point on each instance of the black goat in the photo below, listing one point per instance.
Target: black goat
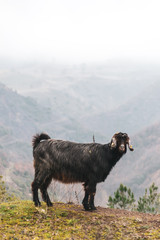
(70, 162)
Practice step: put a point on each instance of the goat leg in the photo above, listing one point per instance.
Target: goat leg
(85, 199)
(43, 189)
(92, 192)
(91, 201)
(85, 202)
(88, 201)
(35, 194)
(45, 197)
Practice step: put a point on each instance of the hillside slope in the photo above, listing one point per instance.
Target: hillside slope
(21, 220)
(131, 117)
(20, 118)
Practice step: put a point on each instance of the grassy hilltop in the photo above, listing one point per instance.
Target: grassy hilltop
(21, 220)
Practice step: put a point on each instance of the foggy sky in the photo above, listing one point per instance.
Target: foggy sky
(79, 30)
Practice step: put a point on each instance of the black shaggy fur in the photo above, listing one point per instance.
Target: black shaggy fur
(70, 162)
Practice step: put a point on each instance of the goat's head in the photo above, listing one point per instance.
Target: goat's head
(119, 141)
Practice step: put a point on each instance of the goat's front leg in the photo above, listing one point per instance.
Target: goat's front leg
(92, 192)
(91, 201)
(88, 201)
(86, 196)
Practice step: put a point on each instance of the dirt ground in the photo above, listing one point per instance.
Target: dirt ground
(122, 224)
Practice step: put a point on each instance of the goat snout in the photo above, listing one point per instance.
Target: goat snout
(122, 148)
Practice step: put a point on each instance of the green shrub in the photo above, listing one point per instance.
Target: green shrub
(123, 198)
(150, 202)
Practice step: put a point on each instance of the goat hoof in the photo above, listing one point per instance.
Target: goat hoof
(49, 204)
(37, 204)
(93, 208)
(86, 207)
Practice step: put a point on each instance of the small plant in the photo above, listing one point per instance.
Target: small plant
(123, 198)
(4, 196)
(150, 202)
(2, 190)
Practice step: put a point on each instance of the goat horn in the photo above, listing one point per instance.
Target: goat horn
(130, 146)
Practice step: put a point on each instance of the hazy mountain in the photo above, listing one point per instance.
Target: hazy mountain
(66, 102)
(80, 90)
(20, 118)
(136, 114)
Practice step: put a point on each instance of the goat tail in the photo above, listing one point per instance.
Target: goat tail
(39, 137)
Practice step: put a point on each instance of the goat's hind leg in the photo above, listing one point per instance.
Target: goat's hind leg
(43, 189)
(34, 186)
(41, 181)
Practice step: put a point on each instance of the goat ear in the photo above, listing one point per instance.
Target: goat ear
(113, 142)
(129, 145)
